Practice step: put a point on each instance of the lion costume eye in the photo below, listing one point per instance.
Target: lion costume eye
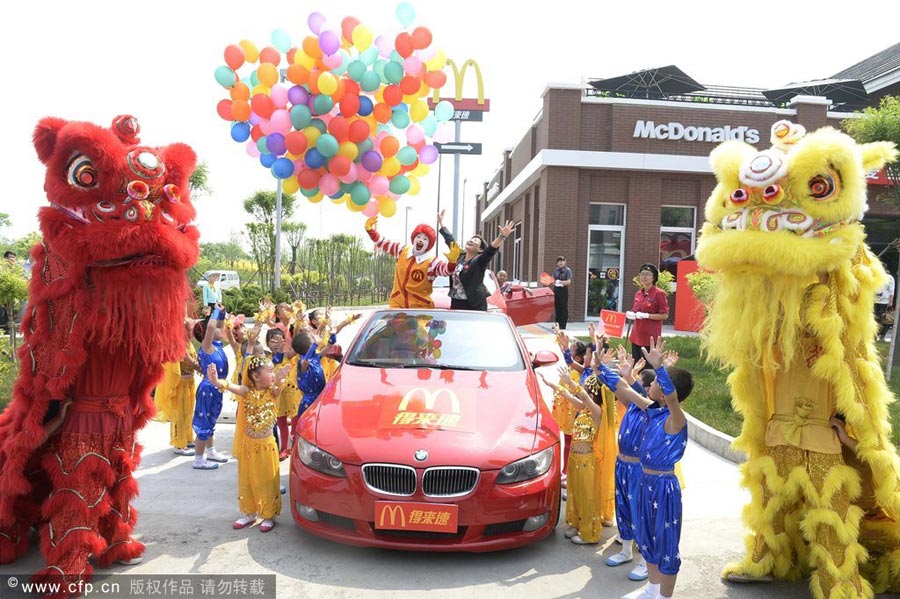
(822, 187)
(82, 173)
(739, 196)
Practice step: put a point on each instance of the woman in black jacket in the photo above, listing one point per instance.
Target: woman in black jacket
(467, 290)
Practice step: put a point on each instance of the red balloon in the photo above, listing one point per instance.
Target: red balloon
(349, 105)
(290, 55)
(340, 128)
(404, 45)
(392, 95)
(421, 38)
(296, 143)
(234, 56)
(255, 133)
(224, 109)
(410, 85)
(351, 87)
(435, 79)
(347, 27)
(308, 178)
(270, 54)
(360, 131)
(339, 166)
(262, 105)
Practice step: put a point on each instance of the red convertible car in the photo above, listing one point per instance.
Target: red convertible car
(523, 305)
(433, 435)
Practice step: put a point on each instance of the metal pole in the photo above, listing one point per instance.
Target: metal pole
(456, 182)
(462, 209)
(440, 163)
(278, 237)
(406, 224)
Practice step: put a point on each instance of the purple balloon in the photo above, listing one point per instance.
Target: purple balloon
(371, 161)
(428, 154)
(275, 144)
(329, 42)
(315, 22)
(255, 119)
(298, 95)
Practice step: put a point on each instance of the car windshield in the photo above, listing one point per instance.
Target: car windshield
(458, 340)
(488, 282)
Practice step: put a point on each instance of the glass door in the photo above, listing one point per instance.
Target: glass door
(604, 270)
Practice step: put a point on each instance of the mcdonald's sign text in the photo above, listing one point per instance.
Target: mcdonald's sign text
(430, 517)
(613, 323)
(462, 105)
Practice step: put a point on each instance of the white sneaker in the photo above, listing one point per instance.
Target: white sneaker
(571, 531)
(642, 593)
(619, 559)
(204, 465)
(639, 572)
(214, 456)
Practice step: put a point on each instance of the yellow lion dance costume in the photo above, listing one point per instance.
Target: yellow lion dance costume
(793, 317)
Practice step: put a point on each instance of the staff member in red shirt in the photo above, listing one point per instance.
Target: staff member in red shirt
(649, 311)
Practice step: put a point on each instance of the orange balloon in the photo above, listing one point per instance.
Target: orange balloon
(389, 146)
(234, 56)
(313, 82)
(270, 55)
(340, 91)
(240, 91)
(435, 79)
(240, 110)
(298, 74)
(311, 47)
(409, 84)
(382, 112)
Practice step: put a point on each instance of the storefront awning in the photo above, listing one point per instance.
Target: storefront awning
(650, 83)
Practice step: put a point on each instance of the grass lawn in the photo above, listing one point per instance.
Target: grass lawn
(710, 401)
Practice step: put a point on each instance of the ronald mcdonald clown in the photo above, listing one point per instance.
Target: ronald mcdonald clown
(106, 307)
(793, 318)
(416, 269)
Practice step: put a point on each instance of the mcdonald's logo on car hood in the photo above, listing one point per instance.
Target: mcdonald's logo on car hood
(423, 408)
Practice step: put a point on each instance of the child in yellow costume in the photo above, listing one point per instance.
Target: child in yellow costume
(416, 268)
(259, 494)
(174, 397)
(793, 317)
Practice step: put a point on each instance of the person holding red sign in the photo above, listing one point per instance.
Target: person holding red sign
(648, 312)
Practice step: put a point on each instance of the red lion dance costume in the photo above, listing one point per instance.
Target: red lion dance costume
(107, 303)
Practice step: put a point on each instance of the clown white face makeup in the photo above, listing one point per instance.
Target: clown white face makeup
(420, 244)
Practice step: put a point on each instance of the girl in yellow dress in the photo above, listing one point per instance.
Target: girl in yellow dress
(563, 410)
(582, 511)
(174, 397)
(259, 494)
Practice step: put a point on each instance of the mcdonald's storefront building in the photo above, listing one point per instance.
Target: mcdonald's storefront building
(612, 180)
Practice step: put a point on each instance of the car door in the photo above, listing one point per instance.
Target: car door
(528, 305)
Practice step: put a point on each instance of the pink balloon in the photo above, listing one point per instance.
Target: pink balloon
(329, 184)
(371, 208)
(412, 65)
(252, 148)
(415, 134)
(315, 22)
(255, 119)
(281, 121)
(362, 174)
(378, 185)
(299, 164)
(267, 127)
(279, 95)
(333, 61)
(351, 175)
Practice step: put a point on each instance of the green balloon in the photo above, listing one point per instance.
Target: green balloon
(347, 187)
(323, 104)
(399, 184)
(327, 145)
(300, 116)
(310, 193)
(405, 13)
(356, 70)
(443, 111)
(261, 145)
(360, 194)
(365, 145)
(429, 124)
(225, 77)
(370, 55)
(400, 119)
(345, 62)
(393, 72)
(320, 125)
(370, 81)
(254, 79)
(407, 155)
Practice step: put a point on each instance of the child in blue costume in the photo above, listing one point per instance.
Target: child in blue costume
(658, 524)
(209, 398)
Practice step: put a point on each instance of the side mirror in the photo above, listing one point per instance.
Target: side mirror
(544, 358)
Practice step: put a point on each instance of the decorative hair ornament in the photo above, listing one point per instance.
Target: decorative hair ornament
(254, 362)
(593, 384)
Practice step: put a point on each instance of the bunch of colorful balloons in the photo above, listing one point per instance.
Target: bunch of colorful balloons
(344, 114)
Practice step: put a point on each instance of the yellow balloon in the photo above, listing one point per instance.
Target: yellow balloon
(251, 52)
(387, 207)
(304, 59)
(348, 150)
(379, 94)
(353, 206)
(414, 186)
(339, 200)
(327, 83)
(261, 89)
(421, 170)
(390, 167)
(317, 198)
(312, 135)
(418, 110)
(291, 185)
(267, 73)
(437, 62)
(362, 37)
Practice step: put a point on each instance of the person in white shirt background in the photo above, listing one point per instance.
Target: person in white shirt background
(884, 306)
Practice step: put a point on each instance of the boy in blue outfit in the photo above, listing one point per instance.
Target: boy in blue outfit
(658, 526)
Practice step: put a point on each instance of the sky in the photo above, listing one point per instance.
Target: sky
(92, 60)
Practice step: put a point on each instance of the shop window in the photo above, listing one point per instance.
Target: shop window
(677, 236)
(607, 214)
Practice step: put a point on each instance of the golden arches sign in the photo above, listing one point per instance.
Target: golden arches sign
(430, 398)
(459, 77)
(392, 510)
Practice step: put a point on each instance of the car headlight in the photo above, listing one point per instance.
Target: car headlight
(533, 466)
(320, 460)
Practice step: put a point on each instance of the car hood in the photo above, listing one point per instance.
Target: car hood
(465, 418)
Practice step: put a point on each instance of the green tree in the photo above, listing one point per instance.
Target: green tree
(223, 254)
(261, 233)
(13, 290)
(293, 234)
(22, 246)
(199, 180)
(880, 124)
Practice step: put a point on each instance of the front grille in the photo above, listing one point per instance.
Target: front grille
(336, 521)
(449, 481)
(420, 535)
(503, 528)
(390, 479)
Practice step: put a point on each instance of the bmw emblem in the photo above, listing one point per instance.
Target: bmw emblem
(421, 455)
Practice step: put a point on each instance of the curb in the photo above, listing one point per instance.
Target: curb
(713, 440)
